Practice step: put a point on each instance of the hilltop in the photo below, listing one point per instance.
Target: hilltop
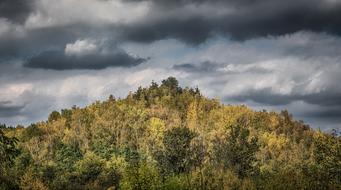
(168, 137)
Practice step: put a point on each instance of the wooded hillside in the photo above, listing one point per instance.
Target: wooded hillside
(168, 137)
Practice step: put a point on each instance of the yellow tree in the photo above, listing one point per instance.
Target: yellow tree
(192, 116)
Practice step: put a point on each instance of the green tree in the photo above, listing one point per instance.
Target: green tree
(326, 169)
(177, 157)
(237, 151)
(8, 152)
(32, 131)
(66, 156)
(54, 116)
(171, 83)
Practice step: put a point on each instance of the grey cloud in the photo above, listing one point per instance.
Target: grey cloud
(8, 109)
(331, 113)
(191, 31)
(58, 60)
(170, 19)
(199, 67)
(15, 10)
(39, 105)
(42, 48)
(247, 20)
(183, 2)
(325, 117)
(267, 97)
(327, 98)
(220, 69)
(40, 39)
(264, 96)
(33, 106)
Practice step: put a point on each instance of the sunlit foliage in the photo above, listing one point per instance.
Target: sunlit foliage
(168, 137)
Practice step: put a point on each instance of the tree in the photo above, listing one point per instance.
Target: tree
(143, 176)
(8, 149)
(8, 152)
(326, 168)
(66, 156)
(237, 151)
(67, 114)
(176, 156)
(89, 169)
(54, 116)
(170, 83)
(32, 131)
(192, 116)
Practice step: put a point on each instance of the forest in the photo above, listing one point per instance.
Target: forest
(168, 137)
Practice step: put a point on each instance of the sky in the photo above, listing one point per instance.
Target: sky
(267, 54)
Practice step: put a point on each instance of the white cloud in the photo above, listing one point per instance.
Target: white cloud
(14, 90)
(80, 47)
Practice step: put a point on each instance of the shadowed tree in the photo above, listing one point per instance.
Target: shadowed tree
(237, 151)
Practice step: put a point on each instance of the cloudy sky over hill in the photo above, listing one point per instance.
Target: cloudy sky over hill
(268, 54)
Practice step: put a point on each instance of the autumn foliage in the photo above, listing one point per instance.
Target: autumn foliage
(168, 137)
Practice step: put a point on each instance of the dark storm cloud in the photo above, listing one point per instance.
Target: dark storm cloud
(248, 19)
(7, 109)
(57, 60)
(183, 2)
(267, 97)
(15, 10)
(192, 30)
(199, 67)
(264, 96)
(40, 39)
(324, 117)
(327, 98)
(171, 19)
(330, 113)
